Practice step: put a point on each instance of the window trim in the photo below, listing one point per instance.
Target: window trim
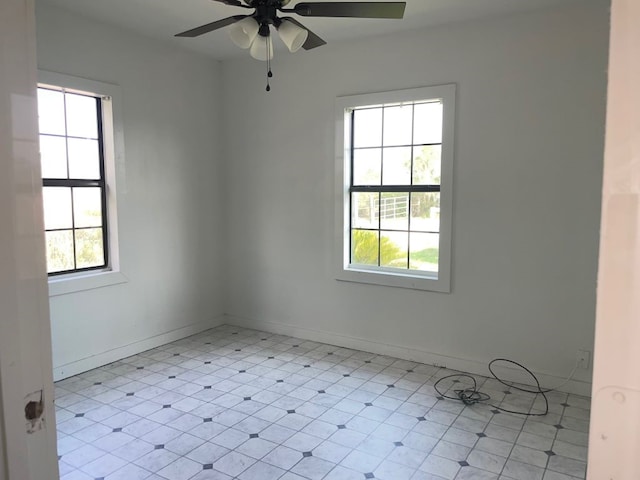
(74, 183)
(114, 174)
(379, 275)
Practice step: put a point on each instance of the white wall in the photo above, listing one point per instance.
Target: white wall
(529, 146)
(614, 441)
(25, 337)
(169, 205)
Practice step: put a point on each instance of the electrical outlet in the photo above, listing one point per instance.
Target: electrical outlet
(583, 358)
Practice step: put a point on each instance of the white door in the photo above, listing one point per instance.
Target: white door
(27, 445)
(614, 440)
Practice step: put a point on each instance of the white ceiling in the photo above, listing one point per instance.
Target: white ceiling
(162, 19)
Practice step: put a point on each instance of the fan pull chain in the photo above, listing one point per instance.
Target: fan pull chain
(269, 73)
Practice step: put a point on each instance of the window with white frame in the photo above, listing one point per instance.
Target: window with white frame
(81, 153)
(394, 161)
(73, 177)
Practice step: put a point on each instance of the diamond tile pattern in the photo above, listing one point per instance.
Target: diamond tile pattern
(239, 404)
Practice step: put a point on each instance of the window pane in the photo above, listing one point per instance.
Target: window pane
(398, 124)
(394, 211)
(84, 159)
(393, 249)
(89, 249)
(367, 166)
(51, 112)
(424, 252)
(396, 169)
(427, 126)
(367, 131)
(427, 164)
(364, 210)
(82, 116)
(425, 212)
(364, 247)
(53, 156)
(59, 251)
(87, 207)
(57, 208)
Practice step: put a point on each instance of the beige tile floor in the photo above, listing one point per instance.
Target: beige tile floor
(233, 403)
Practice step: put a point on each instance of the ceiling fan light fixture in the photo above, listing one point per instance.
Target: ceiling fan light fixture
(244, 32)
(254, 31)
(292, 35)
(262, 48)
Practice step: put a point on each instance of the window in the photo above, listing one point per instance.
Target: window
(82, 158)
(395, 159)
(73, 177)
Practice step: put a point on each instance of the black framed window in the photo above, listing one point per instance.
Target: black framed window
(394, 190)
(73, 178)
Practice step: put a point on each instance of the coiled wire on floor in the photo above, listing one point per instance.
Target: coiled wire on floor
(471, 396)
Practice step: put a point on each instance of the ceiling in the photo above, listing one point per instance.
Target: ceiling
(161, 19)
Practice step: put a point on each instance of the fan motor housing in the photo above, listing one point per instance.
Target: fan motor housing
(276, 3)
(266, 15)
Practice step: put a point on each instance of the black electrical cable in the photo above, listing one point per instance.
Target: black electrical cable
(471, 396)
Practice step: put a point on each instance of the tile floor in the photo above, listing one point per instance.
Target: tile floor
(234, 403)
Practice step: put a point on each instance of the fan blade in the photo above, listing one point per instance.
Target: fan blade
(210, 27)
(351, 9)
(236, 3)
(312, 41)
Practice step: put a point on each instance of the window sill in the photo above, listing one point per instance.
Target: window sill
(414, 282)
(73, 283)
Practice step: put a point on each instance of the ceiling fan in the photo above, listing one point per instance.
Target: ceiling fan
(253, 31)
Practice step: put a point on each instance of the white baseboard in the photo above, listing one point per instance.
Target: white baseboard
(576, 387)
(113, 355)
